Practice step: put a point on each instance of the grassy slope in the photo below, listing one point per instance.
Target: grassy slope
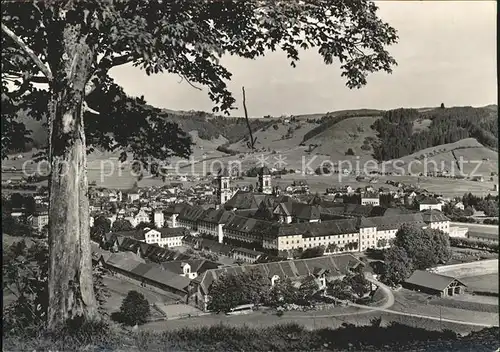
(284, 337)
(444, 155)
(271, 138)
(349, 133)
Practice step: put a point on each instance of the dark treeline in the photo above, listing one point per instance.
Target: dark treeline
(397, 138)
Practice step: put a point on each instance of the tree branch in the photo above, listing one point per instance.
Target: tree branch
(188, 81)
(86, 107)
(45, 70)
(106, 63)
(251, 144)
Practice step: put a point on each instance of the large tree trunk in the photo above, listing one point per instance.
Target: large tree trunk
(71, 292)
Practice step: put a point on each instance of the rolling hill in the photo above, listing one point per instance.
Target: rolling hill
(444, 135)
(467, 156)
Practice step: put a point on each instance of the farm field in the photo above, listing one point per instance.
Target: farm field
(487, 283)
(417, 303)
(466, 156)
(348, 133)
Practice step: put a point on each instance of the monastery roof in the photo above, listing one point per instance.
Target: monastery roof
(294, 269)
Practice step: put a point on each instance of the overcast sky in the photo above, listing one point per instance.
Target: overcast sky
(446, 53)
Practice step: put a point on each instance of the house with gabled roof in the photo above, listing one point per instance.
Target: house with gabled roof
(147, 274)
(246, 255)
(172, 213)
(435, 219)
(434, 284)
(288, 212)
(326, 267)
(428, 203)
(189, 268)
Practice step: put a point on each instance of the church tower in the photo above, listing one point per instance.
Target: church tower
(223, 186)
(265, 181)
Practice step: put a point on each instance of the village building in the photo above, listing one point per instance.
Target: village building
(246, 255)
(370, 198)
(435, 219)
(190, 268)
(434, 284)
(39, 219)
(320, 269)
(159, 219)
(189, 217)
(430, 204)
(133, 196)
(172, 213)
(150, 275)
(264, 181)
(212, 221)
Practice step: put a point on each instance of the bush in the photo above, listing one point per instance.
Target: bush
(349, 152)
(135, 310)
(470, 243)
(366, 147)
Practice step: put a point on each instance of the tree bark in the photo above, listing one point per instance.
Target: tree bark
(71, 292)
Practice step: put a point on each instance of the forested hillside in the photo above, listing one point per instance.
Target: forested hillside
(397, 137)
(208, 126)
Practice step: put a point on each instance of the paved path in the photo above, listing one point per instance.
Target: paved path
(390, 302)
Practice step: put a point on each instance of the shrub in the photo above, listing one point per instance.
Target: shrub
(134, 310)
(366, 147)
(349, 152)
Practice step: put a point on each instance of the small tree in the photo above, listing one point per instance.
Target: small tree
(230, 291)
(313, 252)
(469, 211)
(349, 152)
(134, 309)
(339, 289)
(306, 292)
(358, 283)
(442, 105)
(102, 226)
(382, 242)
(422, 245)
(398, 266)
(283, 292)
(122, 225)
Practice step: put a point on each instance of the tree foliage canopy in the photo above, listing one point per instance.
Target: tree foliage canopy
(415, 249)
(229, 291)
(398, 266)
(135, 309)
(397, 137)
(187, 38)
(425, 247)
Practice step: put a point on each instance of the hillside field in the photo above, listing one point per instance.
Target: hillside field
(476, 158)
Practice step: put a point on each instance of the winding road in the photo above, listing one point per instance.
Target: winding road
(385, 308)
